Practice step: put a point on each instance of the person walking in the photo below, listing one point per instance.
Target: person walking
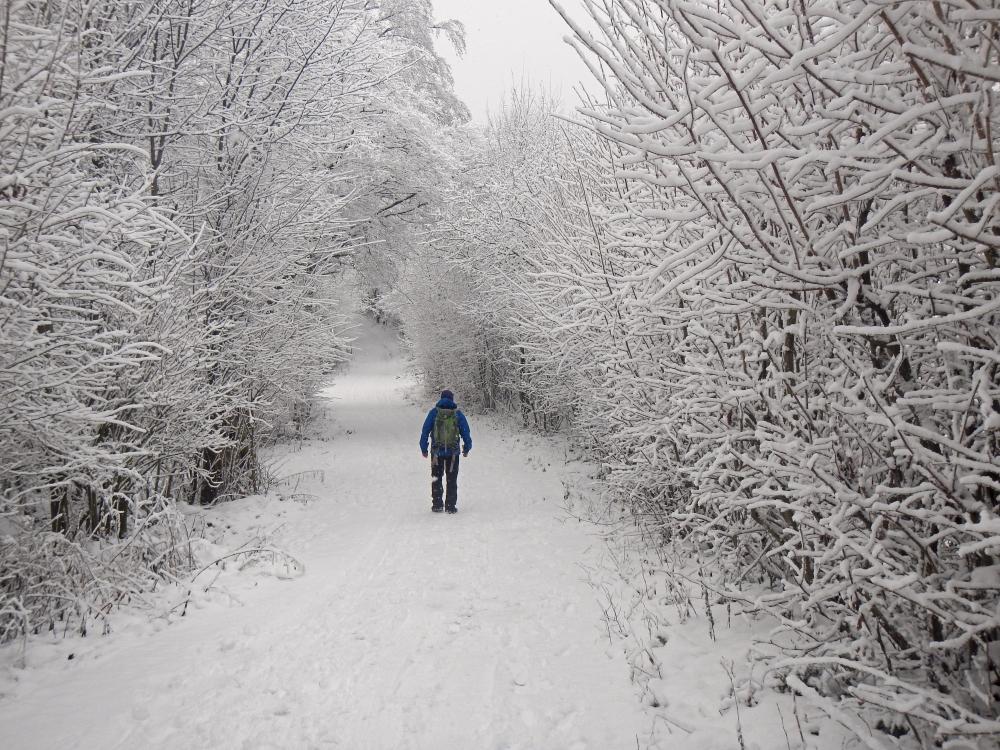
(444, 424)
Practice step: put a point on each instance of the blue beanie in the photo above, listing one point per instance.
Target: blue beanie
(447, 394)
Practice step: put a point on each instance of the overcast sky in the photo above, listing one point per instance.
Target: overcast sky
(510, 40)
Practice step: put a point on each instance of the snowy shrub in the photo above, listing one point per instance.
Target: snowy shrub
(799, 277)
(51, 583)
(76, 284)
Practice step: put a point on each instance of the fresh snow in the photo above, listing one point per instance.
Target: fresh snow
(392, 628)
(371, 623)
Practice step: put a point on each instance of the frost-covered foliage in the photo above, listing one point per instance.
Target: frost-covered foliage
(179, 188)
(462, 298)
(404, 150)
(800, 291)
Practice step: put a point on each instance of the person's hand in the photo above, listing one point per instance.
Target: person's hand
(466, 452)
(424, 454)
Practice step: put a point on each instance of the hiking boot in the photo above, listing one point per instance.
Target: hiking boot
(436, 508)
(451, 509)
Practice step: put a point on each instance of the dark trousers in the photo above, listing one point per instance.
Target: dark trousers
(444, 468)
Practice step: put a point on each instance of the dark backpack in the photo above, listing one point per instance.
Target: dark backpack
(445, 433)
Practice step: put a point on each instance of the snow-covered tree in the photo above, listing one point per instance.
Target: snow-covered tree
(802, 275)
(181, 186)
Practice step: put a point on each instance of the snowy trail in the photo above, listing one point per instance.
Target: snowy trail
(408, 630)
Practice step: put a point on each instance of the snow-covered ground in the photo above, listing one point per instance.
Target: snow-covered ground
(381, 625)
(398, 628)
(702, 678)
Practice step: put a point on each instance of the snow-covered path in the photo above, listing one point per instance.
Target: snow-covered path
(408, 630)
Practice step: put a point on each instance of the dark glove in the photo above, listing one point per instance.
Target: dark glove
(424, 454)
(466, 452)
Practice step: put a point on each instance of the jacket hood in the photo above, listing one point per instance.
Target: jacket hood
(446, 403)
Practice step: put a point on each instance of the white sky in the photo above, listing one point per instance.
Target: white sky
(510, 40)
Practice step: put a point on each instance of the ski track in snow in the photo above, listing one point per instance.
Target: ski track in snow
(408, 629)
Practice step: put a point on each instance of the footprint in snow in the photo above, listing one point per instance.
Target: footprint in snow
(140, 713)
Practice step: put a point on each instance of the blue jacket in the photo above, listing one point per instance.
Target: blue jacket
(463, 428)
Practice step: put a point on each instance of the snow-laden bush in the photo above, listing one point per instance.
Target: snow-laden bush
(77, 290)
(51, 583)
(804, 266)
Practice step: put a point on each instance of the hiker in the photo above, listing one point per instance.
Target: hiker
(444, 424)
